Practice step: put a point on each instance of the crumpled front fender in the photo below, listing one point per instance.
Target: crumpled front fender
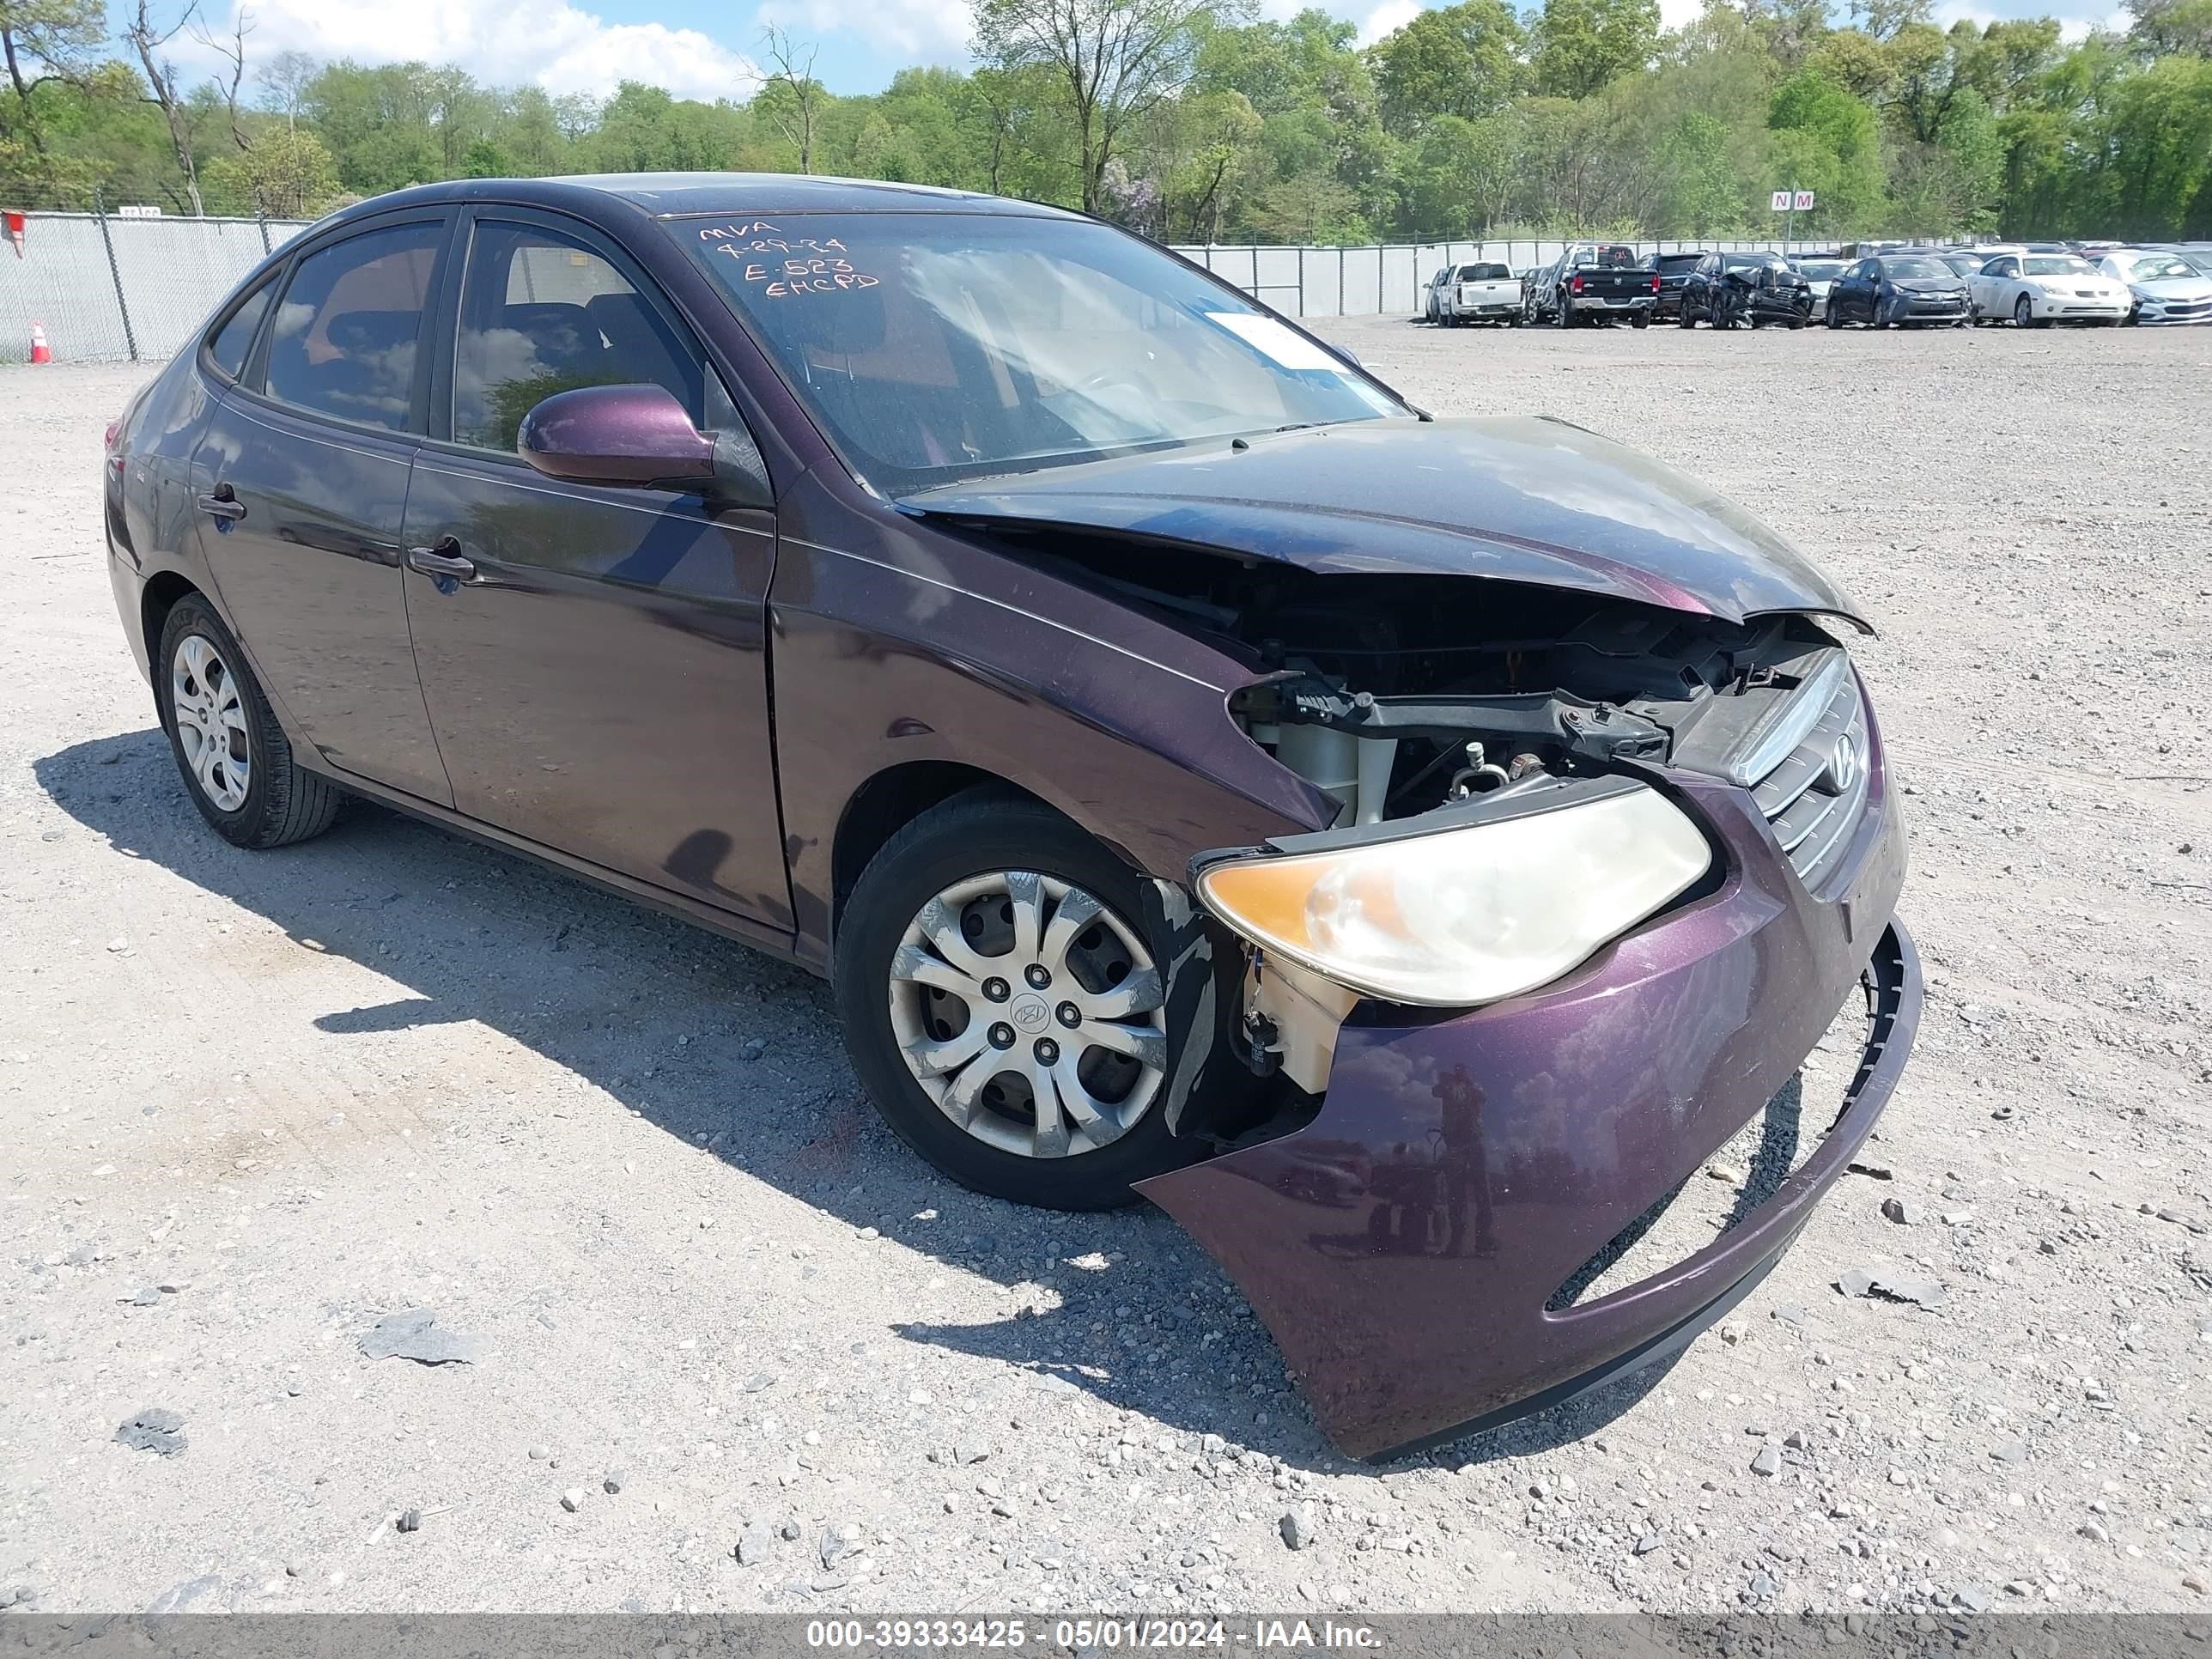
(1403, 1245)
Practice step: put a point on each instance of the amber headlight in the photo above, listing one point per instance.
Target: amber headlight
(1469, 914)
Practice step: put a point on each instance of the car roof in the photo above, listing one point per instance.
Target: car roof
(672, 194)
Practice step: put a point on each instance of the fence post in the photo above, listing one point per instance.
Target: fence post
(114, 271)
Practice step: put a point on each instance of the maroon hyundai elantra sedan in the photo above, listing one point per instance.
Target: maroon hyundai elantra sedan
(1404, 849)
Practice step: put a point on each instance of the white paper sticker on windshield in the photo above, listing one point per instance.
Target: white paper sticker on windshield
(1281, 345)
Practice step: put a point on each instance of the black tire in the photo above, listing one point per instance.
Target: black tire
(977, 833)
(1835, 318)
(1643, 320)
(1564, 316)
(2023, 313)
(283, 802)
(1688, 318)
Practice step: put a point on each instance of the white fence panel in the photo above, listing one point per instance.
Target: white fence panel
(167, 274)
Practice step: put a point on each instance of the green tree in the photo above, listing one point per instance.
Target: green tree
(286, 174)
(45, 41)
(1461, 61)
(1116, 59)
(1582, 45)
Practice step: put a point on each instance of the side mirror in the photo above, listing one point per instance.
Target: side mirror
(639, 434)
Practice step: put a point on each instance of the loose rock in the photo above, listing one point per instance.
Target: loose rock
(156, 1428)
(414, 1335)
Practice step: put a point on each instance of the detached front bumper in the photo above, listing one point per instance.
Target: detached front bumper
(1402, 1246)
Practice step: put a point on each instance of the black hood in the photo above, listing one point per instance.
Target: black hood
(1519, 500)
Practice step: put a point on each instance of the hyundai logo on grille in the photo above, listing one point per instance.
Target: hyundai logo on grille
(1843, 765)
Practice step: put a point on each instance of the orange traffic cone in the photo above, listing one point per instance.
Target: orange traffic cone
(41, 351)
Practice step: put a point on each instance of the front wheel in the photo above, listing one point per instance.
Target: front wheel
(1005, 1008)
(236, 762)
(2023, 313)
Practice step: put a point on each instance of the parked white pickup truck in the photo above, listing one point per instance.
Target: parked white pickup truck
(1459, 294)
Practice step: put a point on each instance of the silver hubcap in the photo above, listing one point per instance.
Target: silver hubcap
(1031, 1013)
(211, 723)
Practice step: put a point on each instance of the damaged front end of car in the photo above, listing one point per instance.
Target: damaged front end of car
(1614, 841)
(1517, 1023)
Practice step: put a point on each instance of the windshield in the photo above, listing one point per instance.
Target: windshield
(932, 347)
(2157, 268)
(1821, 270)
(1911, 268)
(1962, 265)
(2051, 265)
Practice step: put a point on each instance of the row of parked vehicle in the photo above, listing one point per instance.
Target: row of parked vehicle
(2033, 285)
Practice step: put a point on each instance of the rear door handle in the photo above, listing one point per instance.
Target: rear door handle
(222, 503)
(442, 562)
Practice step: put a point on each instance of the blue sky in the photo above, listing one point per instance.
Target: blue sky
(700, 50)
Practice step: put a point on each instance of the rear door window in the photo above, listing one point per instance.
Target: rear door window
(348, 338)
(235, 338)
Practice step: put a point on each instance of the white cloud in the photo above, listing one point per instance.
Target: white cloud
(560, 47)
(1678, 14)
(1391, 15)
(2071, 29)
(933, 31)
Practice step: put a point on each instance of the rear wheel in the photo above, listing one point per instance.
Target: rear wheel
(1005, 1008)
(236, 762)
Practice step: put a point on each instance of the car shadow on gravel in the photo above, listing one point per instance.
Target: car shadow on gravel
(737, 1054)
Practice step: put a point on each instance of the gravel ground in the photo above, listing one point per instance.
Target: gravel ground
(733, 1348)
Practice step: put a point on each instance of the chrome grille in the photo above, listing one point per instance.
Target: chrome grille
(1813, 810)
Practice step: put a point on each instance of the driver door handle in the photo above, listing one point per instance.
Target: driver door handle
(442, 559)
(222, 503)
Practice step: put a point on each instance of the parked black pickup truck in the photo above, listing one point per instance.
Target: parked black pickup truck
(1591, 281)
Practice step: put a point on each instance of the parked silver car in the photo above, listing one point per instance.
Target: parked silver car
(2167, 289)
(1818, 273)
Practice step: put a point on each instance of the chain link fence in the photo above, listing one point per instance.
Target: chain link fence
(114, 286)
(104, 288)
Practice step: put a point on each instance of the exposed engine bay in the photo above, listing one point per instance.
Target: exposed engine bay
(1400, 692)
